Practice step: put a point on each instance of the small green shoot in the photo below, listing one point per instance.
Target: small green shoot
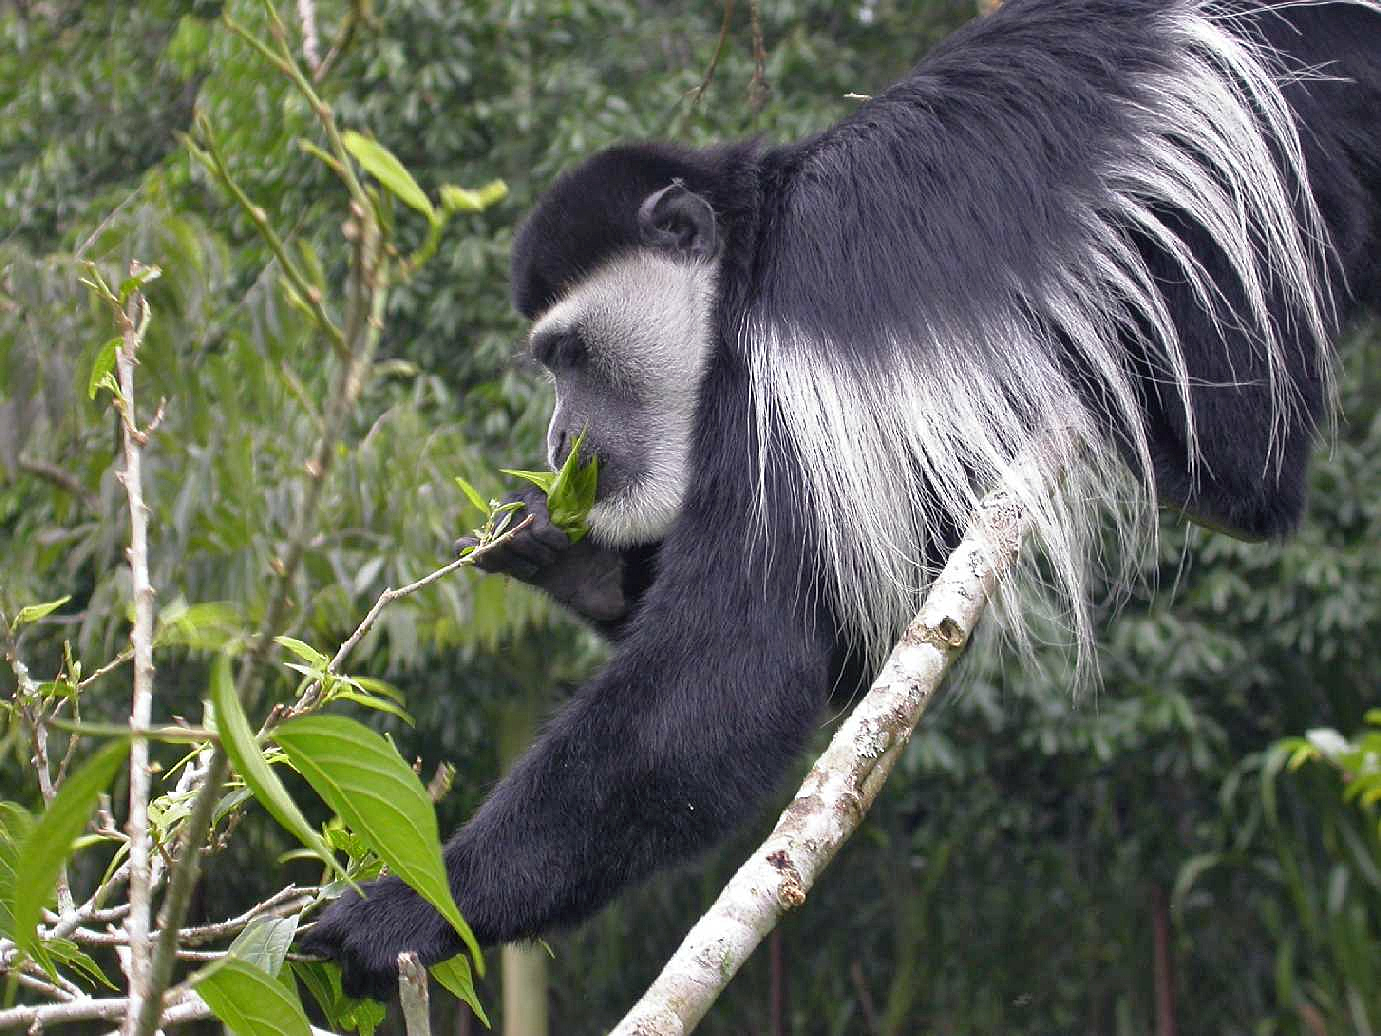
(570, 491)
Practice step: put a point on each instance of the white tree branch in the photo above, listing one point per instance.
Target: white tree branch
(842, 784)
(189, 1008)
(133, 323)
(414, 995)
(311, 42)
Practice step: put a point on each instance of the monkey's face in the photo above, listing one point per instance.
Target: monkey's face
(627, 348)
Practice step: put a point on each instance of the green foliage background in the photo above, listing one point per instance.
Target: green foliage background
(1015, 870)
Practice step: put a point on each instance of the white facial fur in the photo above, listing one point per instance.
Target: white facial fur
(647, 321)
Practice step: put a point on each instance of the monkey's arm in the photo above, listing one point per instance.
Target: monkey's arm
(600, 584)
(713, 691)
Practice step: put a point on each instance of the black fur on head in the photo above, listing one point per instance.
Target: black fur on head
(595, 212)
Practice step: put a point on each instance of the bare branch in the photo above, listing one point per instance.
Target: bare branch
(133, 319)
(367, 293)
(91, 912)
(414, 995)
(311, 296)
(343, 39)
(110, 218)
(842, 784)
(25, 977)
(282, 903)
(758, 87)
(109, 667)
(189, 1008)
(311, 42)
(310, 695)
(698, 93)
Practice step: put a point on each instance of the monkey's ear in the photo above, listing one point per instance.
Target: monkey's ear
(679, 220)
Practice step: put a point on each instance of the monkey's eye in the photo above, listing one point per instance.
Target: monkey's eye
(558, 348)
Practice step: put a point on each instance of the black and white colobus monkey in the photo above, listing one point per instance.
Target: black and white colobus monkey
(1117, 235)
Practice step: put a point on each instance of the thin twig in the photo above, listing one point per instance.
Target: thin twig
(342, 42)
(758, 86)
(73, 738)
(133, 322)
(865, 997)
(38, 985)
(282, 903)
(38, 733)
(390, 595)
(90, 911)
(110, 218)
(311, 693)
(105, 916)
(699, 91)
(215, 162)
(113, 664)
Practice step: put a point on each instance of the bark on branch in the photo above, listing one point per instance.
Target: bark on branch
(842, 784)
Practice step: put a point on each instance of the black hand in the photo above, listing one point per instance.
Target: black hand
(530, 551)
(365, 935)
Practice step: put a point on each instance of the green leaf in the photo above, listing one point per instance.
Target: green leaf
(243, 748)
(364, 1016)
(64, 951)
(15, 825)
(34, 612)
(455, 975)
(383, 688)
(304, 651)
(572, 494)
(46, 847)
(250, 1001)
(473, 495)
(105, 363)
(462, 199)
(384, 166)
(264, 942)
(370, 701)
(364, 779)
(541, 479)
(322, 980)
